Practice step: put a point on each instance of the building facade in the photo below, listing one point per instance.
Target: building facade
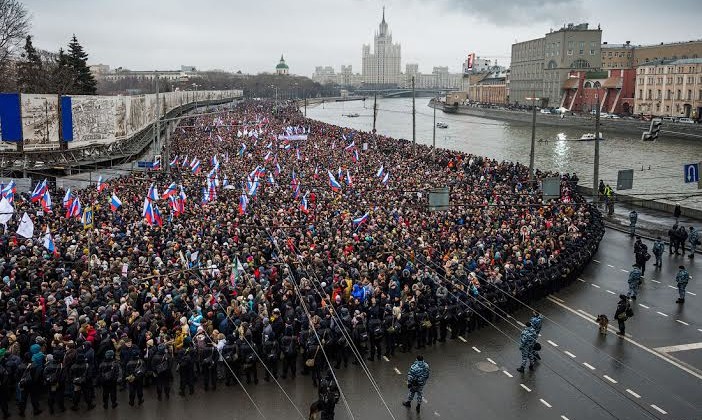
(382, 66)
(282, 68)
(671, 51)
(617, 56)
(491, 89)
(613, 89)
(541, 66)
(670, 88)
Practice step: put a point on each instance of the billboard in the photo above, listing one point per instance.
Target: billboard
(470, 63)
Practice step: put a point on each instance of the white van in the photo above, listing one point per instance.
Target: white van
(686, 120)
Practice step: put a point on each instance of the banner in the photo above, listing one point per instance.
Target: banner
(291, 137)
(66, 119)
(10, 119)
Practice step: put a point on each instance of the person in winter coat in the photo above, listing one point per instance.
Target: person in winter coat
(417, 377)
(622, 314)
(134, 372)
(633, 217)
(109, 374)
(161, 368)
(634, 282)
(693, 238)
(328, 396)
(536, 322)
(641, 255)
(53, 376)
(79, 380)
(682, 278)
(186, 367)
(658, 250)
(526, 345)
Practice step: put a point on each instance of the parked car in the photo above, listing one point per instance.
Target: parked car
(686, 120)
(545, 111)
(669, 119)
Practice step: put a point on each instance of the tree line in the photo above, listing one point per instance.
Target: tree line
(26, 69)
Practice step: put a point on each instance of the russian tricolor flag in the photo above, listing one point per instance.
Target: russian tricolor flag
(349, 181)
(49, 243)
(174, 162)
(153, 193)
(170, 191)
(39, 191)
(380, 172)
(386, 178)
(115, 202)
(243, 203)
(74, 210)
(101, 185)
(156, 165)
(46, 202)
(304, 206)
(67, 199)
(355, 155)
(333, 183)
(360, 220)
(195, 166)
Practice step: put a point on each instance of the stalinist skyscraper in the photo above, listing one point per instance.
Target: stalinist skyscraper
(383, 66)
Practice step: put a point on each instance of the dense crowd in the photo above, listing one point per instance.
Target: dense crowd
(265, 264)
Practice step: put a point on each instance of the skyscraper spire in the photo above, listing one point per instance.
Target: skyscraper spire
(383, 14)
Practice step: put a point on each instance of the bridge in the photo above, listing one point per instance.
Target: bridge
(403, 92)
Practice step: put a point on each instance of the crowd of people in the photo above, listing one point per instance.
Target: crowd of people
(279, 244)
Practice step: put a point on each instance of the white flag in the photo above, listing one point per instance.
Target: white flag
(26, 226)
(6, 211)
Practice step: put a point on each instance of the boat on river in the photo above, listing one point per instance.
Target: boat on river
(441, 125)
(589, 137)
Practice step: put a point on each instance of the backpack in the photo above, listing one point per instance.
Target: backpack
(108, 375)
(290, 348)
(52, 377)
(363, 335)
(629, 311)
(26, 377)
(378, 331)
(162, 365)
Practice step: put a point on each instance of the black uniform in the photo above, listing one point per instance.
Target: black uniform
(186, 369)
(54, 381)
(208, 366)
(134, 372)
(109, 373)
(161, 369)
(82, 386)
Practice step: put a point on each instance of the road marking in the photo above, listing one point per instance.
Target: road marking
(462, 339)
(672, 287)
(610, 266)
(477, 350)
(521, 324)
(610, 379)
(561, 300)
(623, 270)
(581, 280)
(424, 400)
(661, 313)
(398, 371)
(491, 361)
(690, 293)
(633, 393)
(611, 292)
(644, 306)
(552, 343)
(657, 408)
(544, 402)
(589, 366)
(692, 371)
(564, 417)
(597, 261)
(507, 373)
(583, 311)
(699, 329)
(655, 281)
(682, 322)
(526, 388)
(436, 413)
(681, 347)
(386, 358)
(569, 354)
(594, 285)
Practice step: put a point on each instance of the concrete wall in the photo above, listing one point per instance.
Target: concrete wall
(660, 205)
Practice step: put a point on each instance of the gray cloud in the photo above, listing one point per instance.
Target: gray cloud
(520, 12)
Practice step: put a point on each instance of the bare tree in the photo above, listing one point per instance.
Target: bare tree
(14, 26)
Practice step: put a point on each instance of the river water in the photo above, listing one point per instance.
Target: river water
(658, 166)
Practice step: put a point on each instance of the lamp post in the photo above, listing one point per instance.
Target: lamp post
(596, 168)
(414, 122)
(533, 100)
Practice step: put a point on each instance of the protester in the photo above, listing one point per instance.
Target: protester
(253, 239)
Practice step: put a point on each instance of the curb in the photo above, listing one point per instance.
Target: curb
(624, 229)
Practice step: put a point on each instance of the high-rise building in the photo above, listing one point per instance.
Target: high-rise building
(382, 67)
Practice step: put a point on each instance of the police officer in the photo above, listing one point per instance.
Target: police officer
(377, 333)
(682, 278)
(6, 376)
(271, 353)
(328, 396)
(248, 359)
(633, 217)
(230, 357)
(109, 373)
(208, 365)
(161, 370)
(526, 345)
(634, 282)
(417, 377)
(79, 377)
(54, 380)
(288, 345)
(390, 327)
(134, 372)
(658, 250)
(186, 367)
(536, 323)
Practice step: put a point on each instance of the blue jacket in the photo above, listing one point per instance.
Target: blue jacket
(658, 247)
(633, 217)
(682, 277)
(635, 276)
(536, 322)
(527, 339)
(418, 372)
(692, 236)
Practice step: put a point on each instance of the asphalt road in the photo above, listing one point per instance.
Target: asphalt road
(582, 375)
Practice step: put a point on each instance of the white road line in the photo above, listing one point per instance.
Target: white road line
(644, 306)
(564, 417)
(462, 339)
(477, 350)
(672, 287)
(589, 366)
(699, 329)
(561, 300)
(398, 371)
(526, 388)
(507, 373)
(655, 281)
(583, 311)
(424, 400)
(569, 354)
(594, 285)
(682, 322)
(544, 402)
(610, 379)
(581, 280)
(657, 408)
(552, 343)
(681, 347)
(633, 393)
(436, 413)
(386, 358)
(521, 324)
(623, 270)
(611, 292)
(491, 361)
(610, 266)
(693, 372)
(661, 313)
(690, 293)
(597, 261)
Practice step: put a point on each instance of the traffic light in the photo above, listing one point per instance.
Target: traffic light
(654, 131)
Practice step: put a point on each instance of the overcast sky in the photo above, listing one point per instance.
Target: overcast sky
(250, 35)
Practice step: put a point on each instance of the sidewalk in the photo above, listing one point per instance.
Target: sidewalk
(651, 223)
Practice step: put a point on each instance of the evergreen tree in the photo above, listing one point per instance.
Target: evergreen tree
(78, 60)
(31, 75)
(62, 75)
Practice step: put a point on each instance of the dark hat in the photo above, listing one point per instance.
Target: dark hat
(682, 267)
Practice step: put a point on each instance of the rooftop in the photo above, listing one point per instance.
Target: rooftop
(681, 61)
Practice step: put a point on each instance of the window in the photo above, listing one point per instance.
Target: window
(658, 107)
(648, 95)
(669, 95)
(680, 80)
(700, 95)
(640, 93)
(658, 96)
(690, 79)
(669, 80)
(679, 95)
(609, 54)
(689, 94)
(667, 108)
(580, 64)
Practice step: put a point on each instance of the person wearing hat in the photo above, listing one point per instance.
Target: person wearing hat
(134, 372)
(417, 377)
(658, 250)
(623, 313)
(109, 373)
(54, 379)
(5, 383)
(161, 369)
(693, 237)
(78, 377)
(682, 278)
(634, 282)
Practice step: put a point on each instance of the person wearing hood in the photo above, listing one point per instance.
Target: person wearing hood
(109, 374)
(29, 383)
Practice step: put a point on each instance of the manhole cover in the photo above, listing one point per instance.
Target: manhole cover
(487, 367)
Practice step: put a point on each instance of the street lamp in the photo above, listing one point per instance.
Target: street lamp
(533, 135)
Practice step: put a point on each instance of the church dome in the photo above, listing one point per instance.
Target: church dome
(281, 64)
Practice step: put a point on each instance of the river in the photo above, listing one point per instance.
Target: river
(658, 166)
